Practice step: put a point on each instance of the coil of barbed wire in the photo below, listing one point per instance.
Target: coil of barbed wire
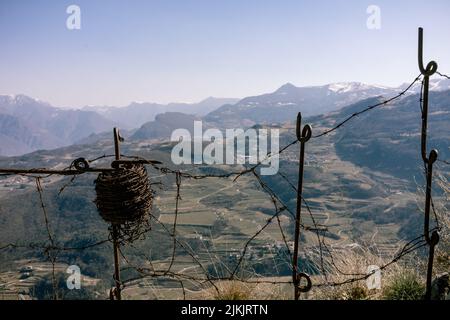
(124, 199)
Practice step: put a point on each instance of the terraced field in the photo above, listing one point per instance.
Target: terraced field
(359, 206)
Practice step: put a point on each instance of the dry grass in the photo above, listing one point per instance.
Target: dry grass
(403, 284)
(443, 248)
(237, 290)
(233, 290)
(348, 263)
(353, 263)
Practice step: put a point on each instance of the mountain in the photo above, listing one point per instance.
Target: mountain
(284, 104)
(360, 182)
(391, 143)
(436, 84)
(137, 113)
(16, 137)
(28, 124)
(164, 124)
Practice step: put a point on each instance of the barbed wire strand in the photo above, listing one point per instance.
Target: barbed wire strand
(369, 108)
(443, 75)
(50, 253)
(175, 219)
(279, 206)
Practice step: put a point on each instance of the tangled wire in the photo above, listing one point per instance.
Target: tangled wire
(124, 199)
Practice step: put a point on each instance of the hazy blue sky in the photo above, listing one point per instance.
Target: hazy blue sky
(186, 50)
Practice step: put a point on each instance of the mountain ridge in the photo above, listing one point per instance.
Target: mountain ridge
(29, 124)
(285, 102)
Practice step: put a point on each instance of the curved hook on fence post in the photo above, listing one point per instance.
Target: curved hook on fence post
(81, 164)
(308, 285)
(430, 69)
(303, 135)
(432, 65)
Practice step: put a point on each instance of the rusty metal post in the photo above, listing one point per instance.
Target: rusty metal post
(116, 294)
(303, 136)
(432, 240)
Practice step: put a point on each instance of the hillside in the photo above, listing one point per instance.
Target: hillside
(27, 124)
(391, 143)
(360, 201)
(164, 124)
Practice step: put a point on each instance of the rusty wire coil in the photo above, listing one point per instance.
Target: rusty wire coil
(124, 199)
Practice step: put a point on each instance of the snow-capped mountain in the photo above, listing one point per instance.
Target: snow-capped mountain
(436, 84)
(344, 87)
(284, 103)
(440, 84)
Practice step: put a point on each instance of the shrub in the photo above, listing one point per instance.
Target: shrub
(356, 293)
(404, 286)
(233, 291)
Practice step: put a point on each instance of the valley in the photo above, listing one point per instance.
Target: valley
(363, 201)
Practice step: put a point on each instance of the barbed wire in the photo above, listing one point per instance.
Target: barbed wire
(369, 108)
(50, 253)
(321, 241)
(175, 219)
(52, 249)
(443, 75)
(443, 161)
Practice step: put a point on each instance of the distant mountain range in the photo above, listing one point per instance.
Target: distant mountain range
(284, 104)
(28, 124)
(279, 106)
(137, 113)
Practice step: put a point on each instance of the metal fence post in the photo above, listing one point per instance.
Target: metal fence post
(117, 291)
(432, 240)
(303, 135)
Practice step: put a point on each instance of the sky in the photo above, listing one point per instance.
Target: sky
(187, 50)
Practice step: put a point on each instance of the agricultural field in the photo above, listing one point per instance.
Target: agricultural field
(216, 217)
